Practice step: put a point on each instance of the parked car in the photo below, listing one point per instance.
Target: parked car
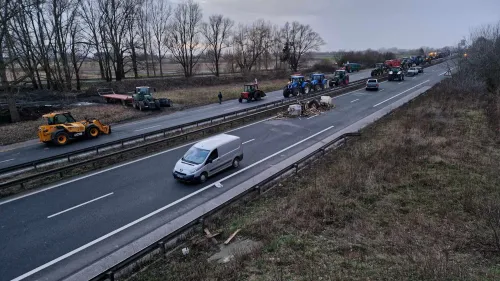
(209, 157)
(372, 84)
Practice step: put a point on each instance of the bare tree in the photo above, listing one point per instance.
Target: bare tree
(483, 56)
(250, 43)
(161, 15)
(217, 32)
(300, 39)
(117, 15)
(184, 38)
(88, 12)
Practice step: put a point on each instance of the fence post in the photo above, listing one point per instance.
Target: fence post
(201, 221)
(110, 275)
(259, 190)
(296, 166)
(161, 244)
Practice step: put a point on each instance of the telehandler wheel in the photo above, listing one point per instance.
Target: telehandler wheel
(60, 138)
(92, 132)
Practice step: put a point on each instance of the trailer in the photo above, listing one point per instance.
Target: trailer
(111, 97)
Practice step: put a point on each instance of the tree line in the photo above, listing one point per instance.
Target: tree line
(49, 40)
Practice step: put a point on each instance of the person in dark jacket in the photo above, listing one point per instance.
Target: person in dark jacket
(220, 97)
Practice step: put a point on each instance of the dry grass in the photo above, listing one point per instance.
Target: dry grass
(207, 95)
(416, 198)
(114, 113)
(107, 113)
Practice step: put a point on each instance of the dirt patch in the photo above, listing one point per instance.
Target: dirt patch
(107, 113)
(115, 113)
(415, 198)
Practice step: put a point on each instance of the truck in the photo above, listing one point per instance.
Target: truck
(392, 63)
(352, 67)
(318, 81)
(142, 98)
(297, 84)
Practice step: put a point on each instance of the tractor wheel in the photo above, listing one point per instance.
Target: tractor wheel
(322, 87)
(295, 92)
(317, 88)
(61, 138)
(92, 132)
(286, 93)
(141, 106)
(240, 100)
(307, 89)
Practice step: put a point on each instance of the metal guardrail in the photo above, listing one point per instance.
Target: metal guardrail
(160, 245)
(143, 137)
(274, 104)
(22, 181)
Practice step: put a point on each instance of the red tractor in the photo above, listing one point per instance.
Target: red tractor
(251, 92)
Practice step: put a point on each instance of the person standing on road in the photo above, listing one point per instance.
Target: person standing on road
(220, 97)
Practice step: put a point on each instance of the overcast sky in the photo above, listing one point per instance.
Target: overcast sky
(362, 24)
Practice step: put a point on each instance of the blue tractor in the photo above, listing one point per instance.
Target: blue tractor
(318, 82)
(297, 84)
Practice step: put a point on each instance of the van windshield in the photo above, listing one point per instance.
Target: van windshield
(195, 155)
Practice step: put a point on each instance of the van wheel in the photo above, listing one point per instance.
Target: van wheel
(203, 177)
(236, 163)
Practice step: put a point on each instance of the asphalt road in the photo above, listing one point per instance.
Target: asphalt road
(33, 150)
(89, 217)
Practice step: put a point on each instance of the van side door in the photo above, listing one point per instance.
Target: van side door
(212, 162)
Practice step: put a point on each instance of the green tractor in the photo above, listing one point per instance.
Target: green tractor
(379, 70)
(143, 98)
(339, 78)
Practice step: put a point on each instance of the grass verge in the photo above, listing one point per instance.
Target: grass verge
(115, 113)
(417, 197)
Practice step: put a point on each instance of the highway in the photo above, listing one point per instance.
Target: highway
(66, 226)
(11, 155)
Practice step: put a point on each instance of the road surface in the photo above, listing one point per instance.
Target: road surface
(34, 150)
(57, 230)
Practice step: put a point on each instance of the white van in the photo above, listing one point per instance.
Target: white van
(209, 157)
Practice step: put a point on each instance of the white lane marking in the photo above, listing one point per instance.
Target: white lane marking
(7, 160)
(381, 90)
(354, 100)
(231, 108)
(91, 243)
(401, 93)
(445, 72)
(249, 141)
(311, 117)
(116, 167)
(147, 128)
(400, 83)
(77, 206)
(346, 94)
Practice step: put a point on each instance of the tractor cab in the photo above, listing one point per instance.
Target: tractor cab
(340, 73)
(297, 79)
(144, 91)
(57, 118)
(249, 88)
(317, 77)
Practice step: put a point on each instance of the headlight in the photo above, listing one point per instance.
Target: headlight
(399, 72)
(390, 72)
